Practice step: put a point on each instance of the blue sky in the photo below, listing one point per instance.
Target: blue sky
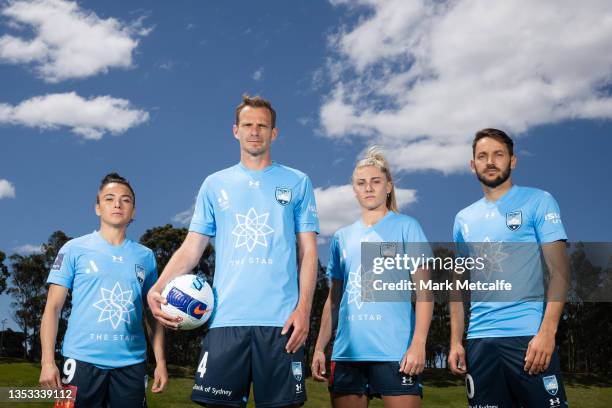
(149, 89)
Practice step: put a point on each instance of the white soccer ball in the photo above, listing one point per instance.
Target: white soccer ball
(190, 297)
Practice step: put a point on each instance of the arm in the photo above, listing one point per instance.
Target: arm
(157, 336)
(456, 355)
(413, 361)
(49, 374)
(329, 320)
(183, 261)
(300, 317)
(542, 346)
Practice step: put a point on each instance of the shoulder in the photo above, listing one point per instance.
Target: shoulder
(75, 244)
(404, 219)
(533, 193)
(293, 175)
(140, 250)
(470, 210)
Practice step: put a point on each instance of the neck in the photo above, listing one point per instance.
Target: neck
(259, 162)
(112, 235)
(494, 194)
(371, 217)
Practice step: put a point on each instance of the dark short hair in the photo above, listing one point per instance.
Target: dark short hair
(496, 134)
(255, 102)
(114, 177)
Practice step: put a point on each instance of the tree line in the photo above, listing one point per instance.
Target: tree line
(583, 335)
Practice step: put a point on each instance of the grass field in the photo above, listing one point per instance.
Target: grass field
(441, 389)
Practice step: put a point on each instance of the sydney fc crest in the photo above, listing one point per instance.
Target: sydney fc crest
(140, 273)
(388, 249)
(514, 220)
(551, 385)
(283, 195)
(296, 368)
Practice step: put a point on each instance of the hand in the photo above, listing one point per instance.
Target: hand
(413, 361)
(155, 300)
(539, 353)
(456, 359)
(50, 376)
(318, 366)
(160, 378)
(299, 319)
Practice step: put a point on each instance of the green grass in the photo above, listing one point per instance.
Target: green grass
(441, 389)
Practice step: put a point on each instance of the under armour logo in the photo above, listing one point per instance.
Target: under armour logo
(555, 402)
(490, 214)
(254, 184)
(117, 259)
(407, 380)
(298, 387)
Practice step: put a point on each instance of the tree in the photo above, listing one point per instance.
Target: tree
(4, 273)
(29, 291)
(181, 347)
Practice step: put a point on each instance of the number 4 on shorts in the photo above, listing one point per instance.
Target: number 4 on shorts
(202, 365)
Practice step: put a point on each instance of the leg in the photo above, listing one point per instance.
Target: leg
(349, 400)
(402, 401)
(223, 375)
(126, 387)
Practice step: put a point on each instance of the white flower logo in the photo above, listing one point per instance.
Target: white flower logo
(251, 230)
(115, 305)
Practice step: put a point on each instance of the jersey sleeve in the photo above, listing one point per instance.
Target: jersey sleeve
(334, 266)
(151, 276)
(305, 211)
(64, 268)
(547, 220)
(203, 220)
(457, 235)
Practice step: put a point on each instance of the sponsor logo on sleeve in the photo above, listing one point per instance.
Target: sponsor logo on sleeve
(57, 265)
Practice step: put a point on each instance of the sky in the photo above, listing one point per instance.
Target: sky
(149, 88)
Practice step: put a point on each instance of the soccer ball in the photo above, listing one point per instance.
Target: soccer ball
(190, 297)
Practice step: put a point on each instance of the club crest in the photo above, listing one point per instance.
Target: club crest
(551, 385)
(388, 249)
(283, 195)
(140, 273)
(514, 220)
(296, 368)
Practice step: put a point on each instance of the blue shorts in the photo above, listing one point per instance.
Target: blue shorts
(95, 387)
(372, 378)
(496, 377)
(233, 357)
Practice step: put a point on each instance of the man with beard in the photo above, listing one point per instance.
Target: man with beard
(510, 359)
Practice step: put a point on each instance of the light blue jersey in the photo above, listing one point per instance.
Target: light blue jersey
(254, 217)
(370, 331)
(109, 285)
(522, 215)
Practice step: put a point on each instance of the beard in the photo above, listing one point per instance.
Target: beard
(499, 180)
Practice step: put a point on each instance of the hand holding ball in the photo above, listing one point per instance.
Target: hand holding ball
(190, 297)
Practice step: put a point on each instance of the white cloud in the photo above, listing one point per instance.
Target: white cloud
(337, 206)
(258, 75)
(67, 42)
(7, 190)
(184, 217)
(28, 249)
(422, 77)
(90, 118)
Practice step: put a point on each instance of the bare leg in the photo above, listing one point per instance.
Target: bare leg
(349, 400)
(402, 401)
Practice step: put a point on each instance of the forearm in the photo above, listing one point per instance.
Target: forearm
(457, 324)
(550, 322)
(555, 255)
(424, 312)
(308, 280)
(48, 335)
(159, 343)
(325, 330)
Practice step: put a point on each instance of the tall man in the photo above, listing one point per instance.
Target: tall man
(511, 357)
(257, 210)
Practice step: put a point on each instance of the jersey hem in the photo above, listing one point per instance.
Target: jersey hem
(100, 364)
(369, 358)
(490, 336)
(248, 324)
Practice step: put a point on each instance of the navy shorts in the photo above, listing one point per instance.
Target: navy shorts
(233, 357)
(95, 387)
(372, 378)
(496, 377)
